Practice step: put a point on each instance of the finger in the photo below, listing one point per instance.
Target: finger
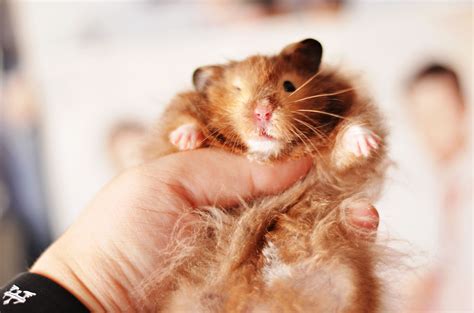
(213, 177)
(366, 218)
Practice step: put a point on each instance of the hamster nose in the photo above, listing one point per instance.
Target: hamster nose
(263, 113)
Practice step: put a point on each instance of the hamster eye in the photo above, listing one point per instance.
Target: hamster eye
(237, 88)
(288, 86)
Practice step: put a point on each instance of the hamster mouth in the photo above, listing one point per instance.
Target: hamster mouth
(263, 134)
(263, 144)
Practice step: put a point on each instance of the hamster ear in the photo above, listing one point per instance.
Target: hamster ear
(306, 54)
(203, 76)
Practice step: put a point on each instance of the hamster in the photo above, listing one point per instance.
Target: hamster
(292, 252)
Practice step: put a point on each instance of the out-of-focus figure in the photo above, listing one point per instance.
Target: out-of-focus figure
(20, 161)
(125, 144)
(438, 111)
(271, 7)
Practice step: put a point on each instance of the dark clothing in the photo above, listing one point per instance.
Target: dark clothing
(34, 293)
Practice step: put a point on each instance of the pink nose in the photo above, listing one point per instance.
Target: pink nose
(263, 113)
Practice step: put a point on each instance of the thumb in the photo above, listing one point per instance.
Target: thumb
(214, 177)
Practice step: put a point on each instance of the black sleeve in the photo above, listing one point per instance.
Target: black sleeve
(30, 292)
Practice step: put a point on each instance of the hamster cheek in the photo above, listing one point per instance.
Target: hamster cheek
(187, 137)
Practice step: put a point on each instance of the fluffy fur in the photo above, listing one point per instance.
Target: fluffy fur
(293, 252)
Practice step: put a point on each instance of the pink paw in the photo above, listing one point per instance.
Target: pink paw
(187, 137)
(360, 141)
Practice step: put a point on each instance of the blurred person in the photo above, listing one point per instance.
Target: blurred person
(438, 110)
(20, 144)
(276, 7)
(125, 144)
(271, 7)
(20, 137)
(8, 47)
(230, 10)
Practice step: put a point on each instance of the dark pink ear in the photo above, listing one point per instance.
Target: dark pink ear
(305, 55)
(203, 76)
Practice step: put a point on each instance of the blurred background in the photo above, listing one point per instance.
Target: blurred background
(82, 81)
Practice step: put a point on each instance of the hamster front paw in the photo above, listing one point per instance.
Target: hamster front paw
(187, 137)
(360, 141)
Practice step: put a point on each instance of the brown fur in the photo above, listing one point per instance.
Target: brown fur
(322, 266)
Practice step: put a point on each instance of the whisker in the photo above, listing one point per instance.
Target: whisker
(287, 136)
(217, 130)
(324, 95)
(234, 139)
(291, 129)
(207, 137)
(317, 128)
(316, 132)
(310, 142)
(322, 112)
(281, 130)
(213, 139)
(298, 133)
(304, 84)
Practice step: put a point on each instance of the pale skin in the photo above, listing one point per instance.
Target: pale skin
(116, 242)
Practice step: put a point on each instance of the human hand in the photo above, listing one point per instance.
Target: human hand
(116, 242)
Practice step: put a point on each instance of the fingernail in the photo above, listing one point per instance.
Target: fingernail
(364, 217)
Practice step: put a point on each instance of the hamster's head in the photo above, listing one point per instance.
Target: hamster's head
(273, 107)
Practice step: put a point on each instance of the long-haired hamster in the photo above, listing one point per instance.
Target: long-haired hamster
(292, 252)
